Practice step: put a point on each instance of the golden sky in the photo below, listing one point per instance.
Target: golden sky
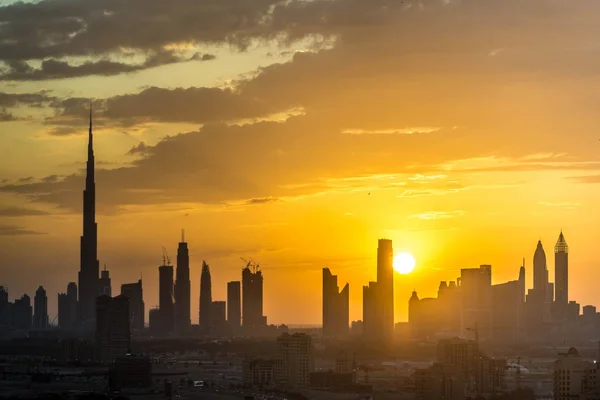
(298, 133)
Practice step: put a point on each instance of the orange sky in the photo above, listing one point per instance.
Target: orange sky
(262, 128)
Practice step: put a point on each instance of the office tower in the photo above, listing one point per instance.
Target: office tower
(135, 294)
(476, 288)
(40, 311)
(113, 336)
(336, 312)
(105, 284)
(385, 284)
(294, 360)
(540, 270)
(372, 317)
(252, 297)
(561, 276)
(205, 299)
(5, 317)
(90, 267)
(522, 281)
(64, 313)
(23, 313)
(413, 314)
(154, 321)
(165, 298)
(73, 304)
(574, 377)
(234, 305)
(217, 315)
(182, 287)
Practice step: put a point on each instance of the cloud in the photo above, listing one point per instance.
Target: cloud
(139, 148)
(56, 69)
(263, 200)
(433, 215)
(400, 131)
(11, 230)
(565, 205)
(20, 212)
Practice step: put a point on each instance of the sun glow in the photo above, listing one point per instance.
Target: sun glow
(404, 263)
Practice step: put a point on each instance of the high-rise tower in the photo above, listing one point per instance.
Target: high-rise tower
(561, 276)
(90, 267)
(540, 271)
(385, 285)
(165, 298)
(252, 298)
(335, 306)
(182, 287)
(205, 299)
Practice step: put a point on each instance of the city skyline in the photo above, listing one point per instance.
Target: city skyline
(264, 135)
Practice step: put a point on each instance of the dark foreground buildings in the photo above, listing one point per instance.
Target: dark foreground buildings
(113, 334)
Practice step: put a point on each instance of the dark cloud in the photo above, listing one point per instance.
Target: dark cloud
(56, 69)
(20, 212)
(10, 230)
(5, 116)
(203, 57)
(139, 148)
(263, 200)
(40, 99)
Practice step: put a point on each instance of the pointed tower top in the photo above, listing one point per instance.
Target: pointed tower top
(183, 236)
(561, 244)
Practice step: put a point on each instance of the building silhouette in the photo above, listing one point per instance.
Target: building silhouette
(113, 335)
(134, 292)
(165, 299)
(63, 311)
(218, 318)
(539, 299)
(105, 283)
(336, 306)
(73, 304)
(372, 317)
(89, 269)
(234, 306)
(182, 288)
(385, 286)
(252, 297)
(476, 294)
(40, 310)
(205, 299)
(561, 278)
(5, 307)
(23, 313)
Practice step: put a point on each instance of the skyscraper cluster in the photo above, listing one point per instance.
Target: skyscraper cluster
(503, 312)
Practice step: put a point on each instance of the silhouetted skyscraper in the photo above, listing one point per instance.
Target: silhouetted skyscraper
(64, 313)
(217, 315)
(561, 276)
(252, 298)
(5, 317)
(89, 270)
(23, 313)
(182, 288)
(73, 304)
(113, 336)
(385, 284)
(40, 316)
(540, 270)
(372, 316)
(205, 299)
(234, 305)
(105, 283)
(165, 298)
(134, 292)
(336, 312)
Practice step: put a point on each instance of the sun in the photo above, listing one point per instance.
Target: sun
(404, 263)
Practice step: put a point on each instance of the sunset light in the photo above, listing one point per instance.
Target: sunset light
(404, 263)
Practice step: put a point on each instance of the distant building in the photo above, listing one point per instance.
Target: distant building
(476, 293)
(113, 334)
(356, 328)
(294, 360)
(23, 313)
(5, 312)
(135, 293)
(259, 373)
(561, 278)
(218, 321)
(372, 318)
(234, 306)
(385, 286)
(154, 321)
(252, 298)
(204, 319)
(336, 311)
(165, 299)
(40, 310)
(73, 304)
(575, 378)
(63, 311)
(182, 288)
(105, 283)
(440, 382)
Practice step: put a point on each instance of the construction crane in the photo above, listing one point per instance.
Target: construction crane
(166, 259)
(250, 264)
